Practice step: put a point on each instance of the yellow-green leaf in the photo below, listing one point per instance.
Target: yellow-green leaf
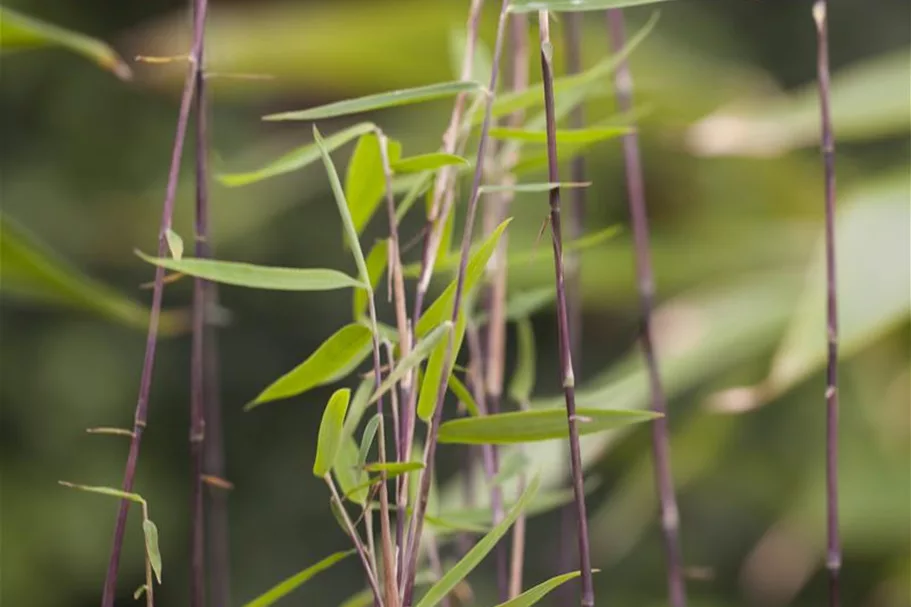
(150, 532)
(434, 372)
(535, 425)
(564, 136)
(292, 583)
(522, 383)
(365, 181)
(377, 260)
(532, 187)
(394, 468)
(133, 497)
(428, 162)
(415, 357)
(19, 32)
(351, 478)
(463, 394)
(175, 244)
(330, 432)
(334, 359)
(367, 439)
(380, 101)
(359, 402)
(533, 595)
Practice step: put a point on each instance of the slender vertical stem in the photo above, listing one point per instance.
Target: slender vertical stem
(566, 364)
(573, 49)
(670, 519)
(430, 450)
(145, 382)
(833, 558)
(198, 363)
(356, 540)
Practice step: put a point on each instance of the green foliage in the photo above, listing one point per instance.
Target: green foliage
(427, 162)
(534, 595)
(367, 439)
(351, 477)
(522, 383)
(376, 262)
(564, 136)
(434, 373)
(291, 584)
(463, 394)
(150, 533)
(422, 349)
(330, 432)
(365, 181)
(532, 187)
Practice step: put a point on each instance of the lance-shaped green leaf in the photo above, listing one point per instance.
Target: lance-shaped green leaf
(377, 260)
(253, 276)
(133, 497)
(434, 372)
(333, 360)
(330, 432)
(394, 468)
(522, 383)
(535, 425)
(20, 32)
(533, 595)
(442, 307)
(573, 6)
(533, 187)
(428, 162)
(367, 439)
(360, 401)
(463, 394)
(477, 553)
(297, 158)
(365, 180)
(352, 479)
(291, 584)
(418, 354)
(380, 101)
(150, 533)
(32, 273)
(564, 136)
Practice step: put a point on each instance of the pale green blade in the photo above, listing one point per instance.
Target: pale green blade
(573, 6)
(522, 383)
(292, 583)
(394, 468)
(133, 497)
(564, 136)
(477, 553)
(434, 372)
(351, 478)
(365, 179)
(253, 276)
(367, 439)
(533, 595)
(333, 360)
(380, 101)
(464, 395)
(533, 187)
(19, 32)
(418, 354)
(330, 432)
(428, 162)
(150, 533)
(535, 425)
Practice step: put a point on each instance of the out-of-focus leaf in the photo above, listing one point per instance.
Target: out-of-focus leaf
(427, 162)
(19, 32)
(463, 394)
(573, 6)
(522, 383)
(476, 554)
(365, 181)
(536, 425)
(333, 360)
(483, 59)
(367, 439)
(442, 307)
(380, 101)
(532, 187)
(254, 276)
(869, 101)
(133, 497)
(564, 136)
(511, 466)
(415, 357)
(377, 260)
(175, 244)
(351, 478)
(32, 273)
(330, 432)
(359, 402)
(434, 373)
(394, 468)
(533, 595)
(150, 532)
(298, 158)
(527, 303)
(295, 581)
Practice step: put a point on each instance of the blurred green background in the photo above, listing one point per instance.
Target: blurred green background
(735, 195)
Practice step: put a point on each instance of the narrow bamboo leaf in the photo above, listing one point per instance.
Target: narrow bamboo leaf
(564, 136)
(380, 101)
(257, 277)
(292, 583)
(428, 162)
(528, 303)
(32, 273)
(359, 402)
(452, 526)
(297, 158)
(534, 425)
(365, 180)
(175, 244)
(532, 187)
(395, 468)
(330, 432)
(367, 439)
(150, 532)
(377, 260)
(573, 6)
(514, 463)
(464, 395)
(477, 553)
(351, 478)
(442, 307)
(533, 595)
(434, 372)
(523, 378)
(20, 32)
(418, 354)
(133, 497)
(334, 359)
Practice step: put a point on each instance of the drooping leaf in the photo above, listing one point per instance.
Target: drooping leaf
(334, 359)
(257, 277)
(367, 439)
(564, 136)
(295, 581)
(20, 32)
(394, 468)
(533, 595)
(463, 394)
(441, 308)
(534, 425)
(415, 357)
(380, 101)
(531, 187)
(428, 162)
(365, 181)
(133, 497)
(150, 532)
(351, 478)
(476, 554)
(573, 6)
(434, 373)
(330, 432)
(377, 260)
(522, 383)
(32, 273)
(297, 158)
